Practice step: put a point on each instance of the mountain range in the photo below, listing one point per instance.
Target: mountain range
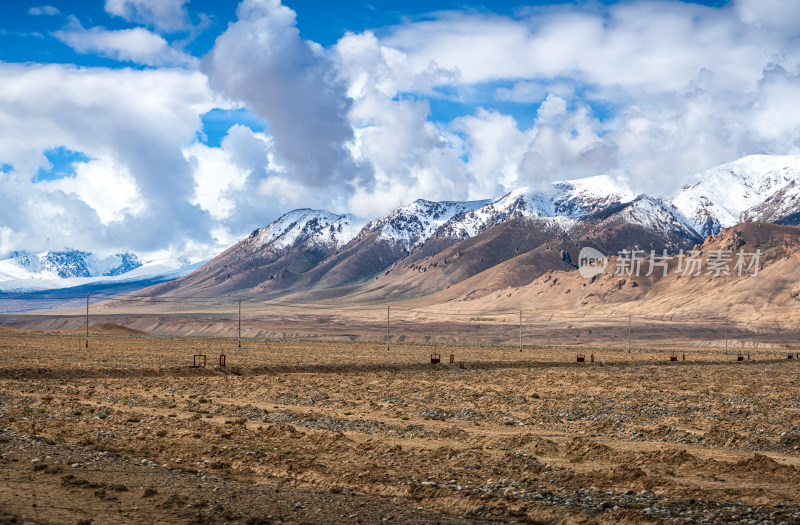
(426, 247)
(45, 280)
(65, 264)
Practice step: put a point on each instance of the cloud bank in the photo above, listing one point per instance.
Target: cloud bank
(262, 61)
(137, 45)
(136, 141)
(164, 15)
(453, 105)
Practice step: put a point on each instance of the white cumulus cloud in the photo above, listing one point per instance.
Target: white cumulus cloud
(44, 10)
(136, 45)
(261, 60)
(653, 91)
(135, 122)
(164, 15)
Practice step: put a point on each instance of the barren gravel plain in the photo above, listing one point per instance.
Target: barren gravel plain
(127, 431)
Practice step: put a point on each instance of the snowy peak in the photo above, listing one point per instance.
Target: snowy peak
(565, 202)
(120, 263)
(521, 202)
(577, 197)
(725, 193)
(764, 174)
(24, 260)
(658, 216)
(515, 204)
(71, 263)
(313, 227)
(778, 206)
(65, 264)
(413, 224)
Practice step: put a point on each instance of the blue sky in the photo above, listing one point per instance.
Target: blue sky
(177, 126)
(32, 40)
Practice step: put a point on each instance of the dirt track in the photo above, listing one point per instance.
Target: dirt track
(127, 432)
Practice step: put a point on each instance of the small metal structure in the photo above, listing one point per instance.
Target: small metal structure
(581, 358)
(222, 360)
(452, 358)
(199, 361)
(436, 359)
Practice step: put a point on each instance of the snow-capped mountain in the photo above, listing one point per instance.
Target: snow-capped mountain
(65, 264)
(781, 206)
(317, 252)
(565, 202)
(276, 254)
(125, 262)
(307, 249)
(574, 198)
(312, 227)
(413, 224)
(32, 273)
(658, 216)
(737, 191)
(517, 203)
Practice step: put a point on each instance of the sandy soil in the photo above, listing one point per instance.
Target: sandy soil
(333, 432)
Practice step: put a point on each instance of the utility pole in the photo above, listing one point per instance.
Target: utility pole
(240, 322)
(520, 331)
(387, 328)
(726, 335)
(629, 333)
(87, 320)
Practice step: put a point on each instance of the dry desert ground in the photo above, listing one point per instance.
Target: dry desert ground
(127, 431)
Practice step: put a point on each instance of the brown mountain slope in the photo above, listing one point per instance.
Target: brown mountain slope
(512, 254)
(360, 260)
(434, 266)
(370, 268)
(772, 293)
(243, 266)
(251, 271)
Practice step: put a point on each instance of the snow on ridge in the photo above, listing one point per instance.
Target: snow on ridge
(526, 202)
(579, 196)
(725, 193)
(567, 199)
(64, 264)
(517, 203)
(306, 225)
(414, 223)
(161, 270)
(783, 202)
(756, 187)
(597, 185)
(657, 215)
